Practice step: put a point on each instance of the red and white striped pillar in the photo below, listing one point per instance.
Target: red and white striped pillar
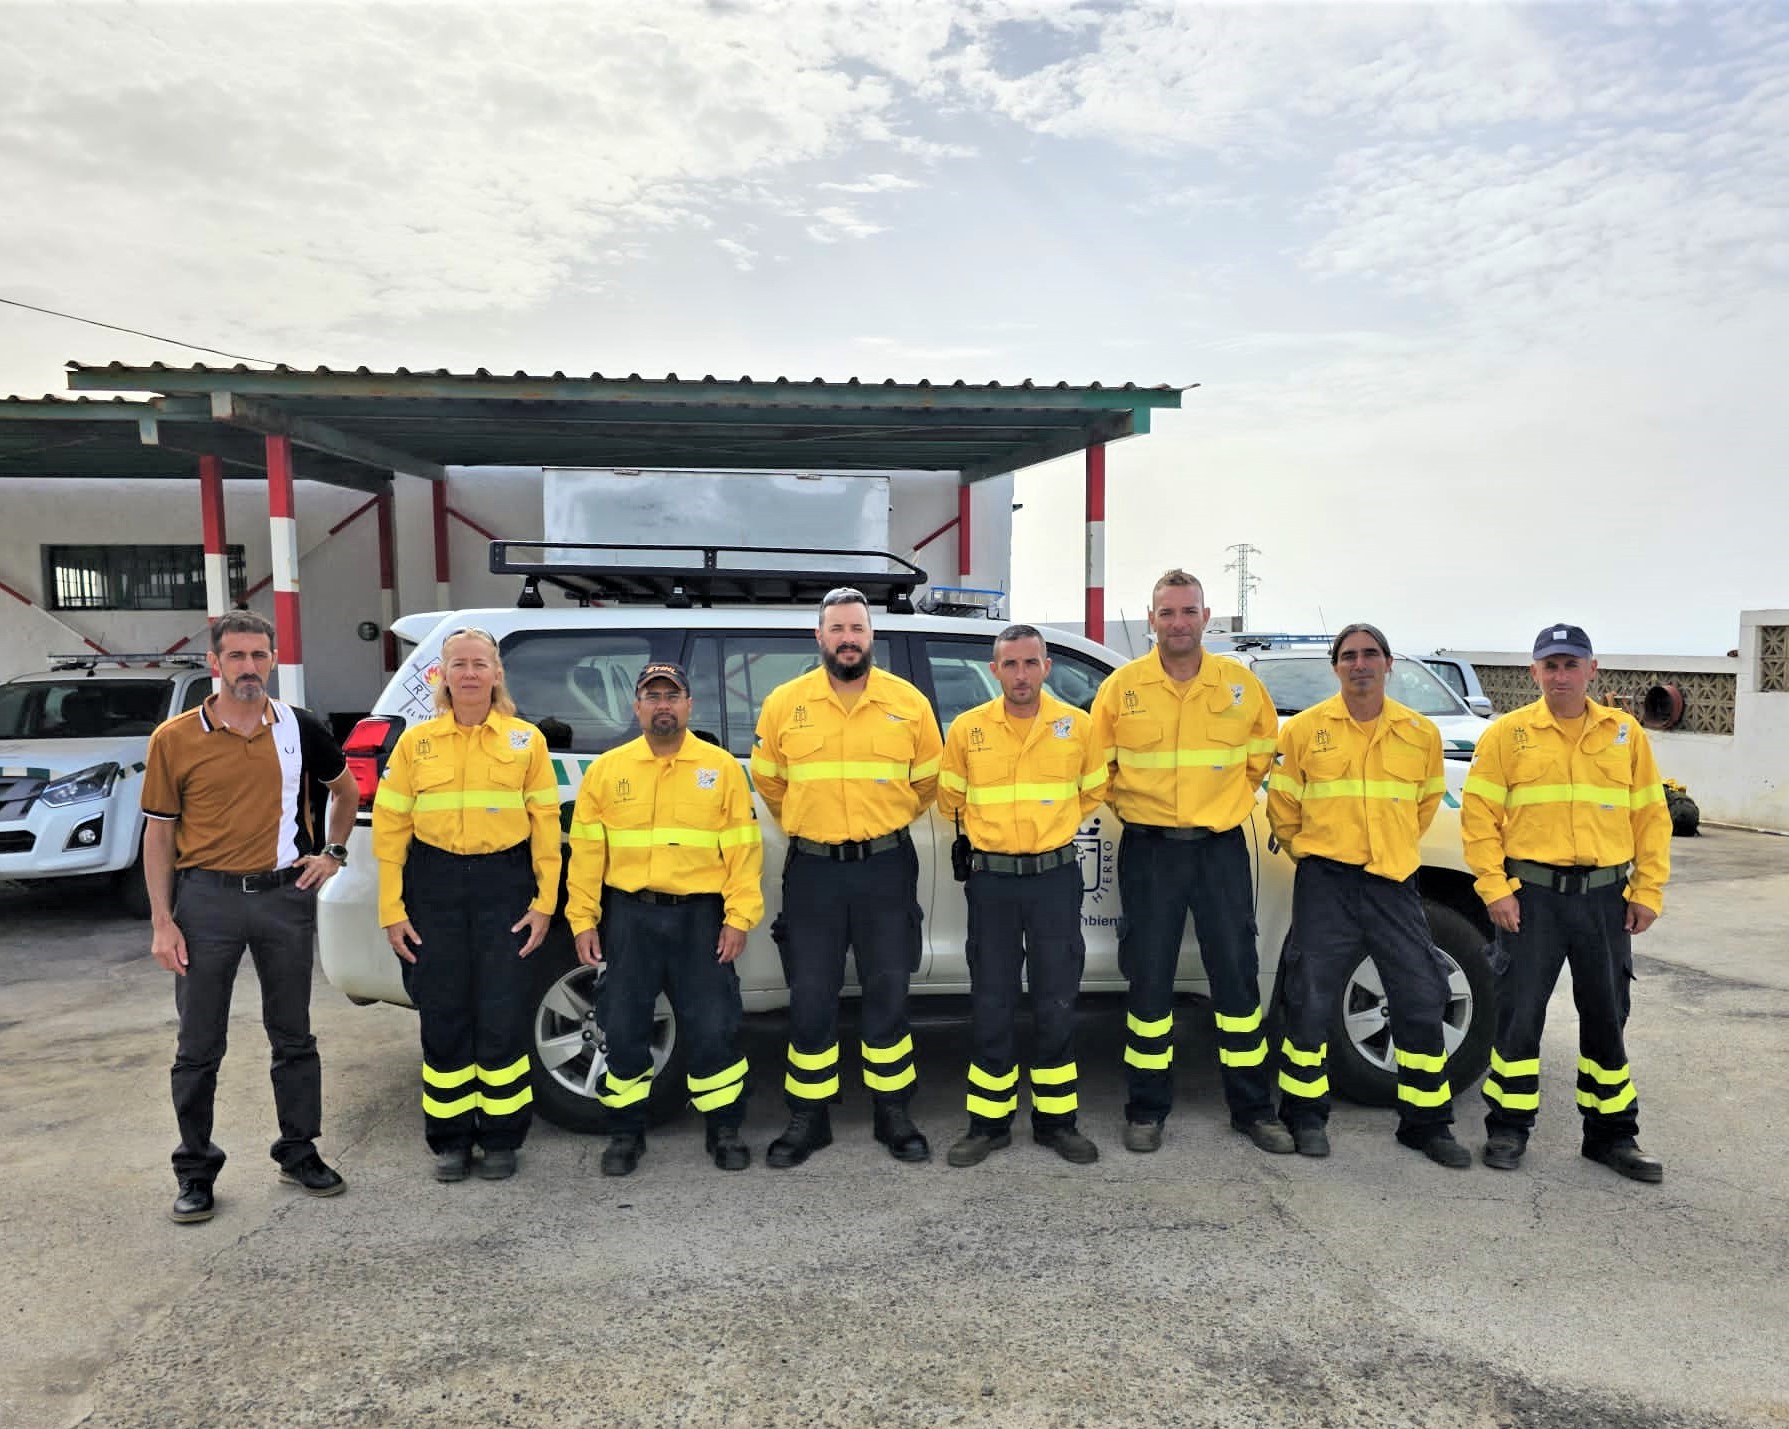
(1096, 542)
(217, 552)
(282, 531)
(965, 548)
(443, 585)
(388, 581)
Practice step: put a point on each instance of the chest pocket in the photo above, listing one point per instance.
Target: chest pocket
(1059, 761)
(1322, 766)
(895, 744)
(801, 744)
(699, 813)
(1538, 764)
(1138, 732)
(634, 812)
(431, 775)
(990, 770)
(1403, 760)
(506, 774)
(1614, 767)
(1226, 722)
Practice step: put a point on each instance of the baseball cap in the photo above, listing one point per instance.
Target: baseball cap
(663, 670)
(1562, 640)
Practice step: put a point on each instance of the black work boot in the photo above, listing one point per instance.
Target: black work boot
(1310, 1138)
(194, 1203)
(1066, 1142)
(1439, 1146)
(809, 1129)
(896, 1131)
(1503, 1150)
(974, 1147)
(453, 1164)
(728, 1149)
(1626, 1159)
(623, 1153)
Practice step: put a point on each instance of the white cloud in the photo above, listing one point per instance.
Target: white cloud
(840, 221)
(744, 258)
(873, 184)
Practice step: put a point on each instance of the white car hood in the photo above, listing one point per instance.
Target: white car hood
(65, 756)
(1460, 731)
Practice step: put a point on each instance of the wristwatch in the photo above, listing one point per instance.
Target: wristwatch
(339, 852)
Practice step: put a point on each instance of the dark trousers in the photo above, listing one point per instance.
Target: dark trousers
(472, 994)
(871, 907)
(1018, 921)
(1588, 930)
(278, 928)
(649, 948)
(1160, 881)
(1339, 912)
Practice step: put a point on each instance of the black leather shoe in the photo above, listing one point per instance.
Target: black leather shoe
(1441, 1148)
(975, 1147)
(1503, 1151)
(729, 1151)
(808, 1130)
(454, 1164)
(896, 1131)
(194, 1203)
(1142, 1136)
(1067, 1143)
(1627, 1159)
(1268, 1135)
(498, 1165)
(623, 1153)
(312, 1177)
(1310, 1140)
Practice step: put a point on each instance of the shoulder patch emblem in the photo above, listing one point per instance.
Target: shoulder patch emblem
(1236, 694)
(1621, 734)
(705, 778)
(1063, 727)
(520, 738)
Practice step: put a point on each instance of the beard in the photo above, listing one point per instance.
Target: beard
(841, 671)
(246, 688)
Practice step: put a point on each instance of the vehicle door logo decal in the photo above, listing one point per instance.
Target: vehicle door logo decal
(1097, 854)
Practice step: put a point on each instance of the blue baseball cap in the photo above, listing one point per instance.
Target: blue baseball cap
(1562, 640)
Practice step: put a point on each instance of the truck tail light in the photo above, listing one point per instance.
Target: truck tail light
(367, 749)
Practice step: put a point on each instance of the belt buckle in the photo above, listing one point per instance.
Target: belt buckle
(1583, 881)
(857, 853)
(251, 883)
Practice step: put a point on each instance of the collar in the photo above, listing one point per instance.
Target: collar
(1594, 714)
(447, 724)
(820, 686)
(1048, 708)
(640, 751)
(1336, 708)
(270, 714)
(1154, 672)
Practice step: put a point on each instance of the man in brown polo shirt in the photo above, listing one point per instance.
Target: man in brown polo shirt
(233, 858)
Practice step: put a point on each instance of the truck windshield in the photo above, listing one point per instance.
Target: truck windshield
(1297, 684)
(82, 708)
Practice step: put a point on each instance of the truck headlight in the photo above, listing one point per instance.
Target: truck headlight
(81, 787)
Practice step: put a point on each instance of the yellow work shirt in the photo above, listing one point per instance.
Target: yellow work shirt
(1021, 786)
(1358, 795)
(676, 823)
(1190, 756)
(1594, 802)
(475, 790)
(843, 776)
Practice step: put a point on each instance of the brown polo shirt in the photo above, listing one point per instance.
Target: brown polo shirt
(241, 804)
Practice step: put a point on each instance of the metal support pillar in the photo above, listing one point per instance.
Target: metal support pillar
(1096, 543)
(443, 583)
(965, 552)
(282, 531)
(388, 584)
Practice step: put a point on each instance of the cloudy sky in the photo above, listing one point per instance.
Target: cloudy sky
(1488, 305)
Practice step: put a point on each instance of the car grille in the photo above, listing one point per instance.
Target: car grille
(17, 841)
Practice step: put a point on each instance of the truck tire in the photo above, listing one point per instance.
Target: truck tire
(1362, 1059)
(569, 1049)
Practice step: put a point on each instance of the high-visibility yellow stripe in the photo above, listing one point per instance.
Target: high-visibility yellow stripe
(664, 838)
(592, 833)
(1286, 784)
(925, 769)
(1303, 1058)
(1291, 1084)
(741, 835)
(616, 1083)
(815, 1061)
(1095, 780)
(1609, 1077)
(389, 798)
(503, 1076)
(624, 1097)
(885, 1055)
(1485, 789)
(811, 1091)
(1262, 746)
(1653, 795)
(1622, 1099)
(1160, 1027)
(719, 1079)
(992, 1110)
(721, 1096)
(952, 781)
(549, 795)
(846, 769)
(1053, 1076)
(1422, 1061)
(448, 1080)
(503, 1106)
(1111, 754)
(1248, 1022)
(1531, 1067)
(1025, 793)
(1437, 785)
(986, 1079)
(443, 1110)
(1056, 1105)
(1252, 1057)
(1603, 795)
(1512, 1101)
(1418, 1097)
(469, 799)
(766, 768)
(1182, 758)
(876, 1082)
(1149, 1061)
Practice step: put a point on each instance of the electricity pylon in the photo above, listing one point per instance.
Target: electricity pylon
(1244, 581)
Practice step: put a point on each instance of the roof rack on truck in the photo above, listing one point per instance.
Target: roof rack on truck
(89, 660)
(645, 581)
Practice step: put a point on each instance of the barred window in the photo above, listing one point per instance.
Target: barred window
(134, 577)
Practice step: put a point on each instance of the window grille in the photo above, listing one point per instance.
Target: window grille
(134, 577)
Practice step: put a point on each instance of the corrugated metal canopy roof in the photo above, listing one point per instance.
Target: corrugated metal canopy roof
(365, 424)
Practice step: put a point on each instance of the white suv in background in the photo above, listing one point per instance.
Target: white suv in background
(72, 745)
(572, 670)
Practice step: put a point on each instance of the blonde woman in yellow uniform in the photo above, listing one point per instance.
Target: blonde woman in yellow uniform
(466, 831)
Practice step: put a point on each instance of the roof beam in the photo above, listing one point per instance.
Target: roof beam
(270, 421)
(1106, 430)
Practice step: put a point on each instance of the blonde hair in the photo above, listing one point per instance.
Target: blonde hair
(500, 699)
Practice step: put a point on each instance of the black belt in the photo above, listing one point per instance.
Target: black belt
(1160, 831)
(245, 882)
(1022, 864)
(1565, 880)
(852, 852)
(652, 895)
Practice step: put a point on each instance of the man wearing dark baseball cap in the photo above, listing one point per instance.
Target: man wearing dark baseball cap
(1565, 827)
(662, 670)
